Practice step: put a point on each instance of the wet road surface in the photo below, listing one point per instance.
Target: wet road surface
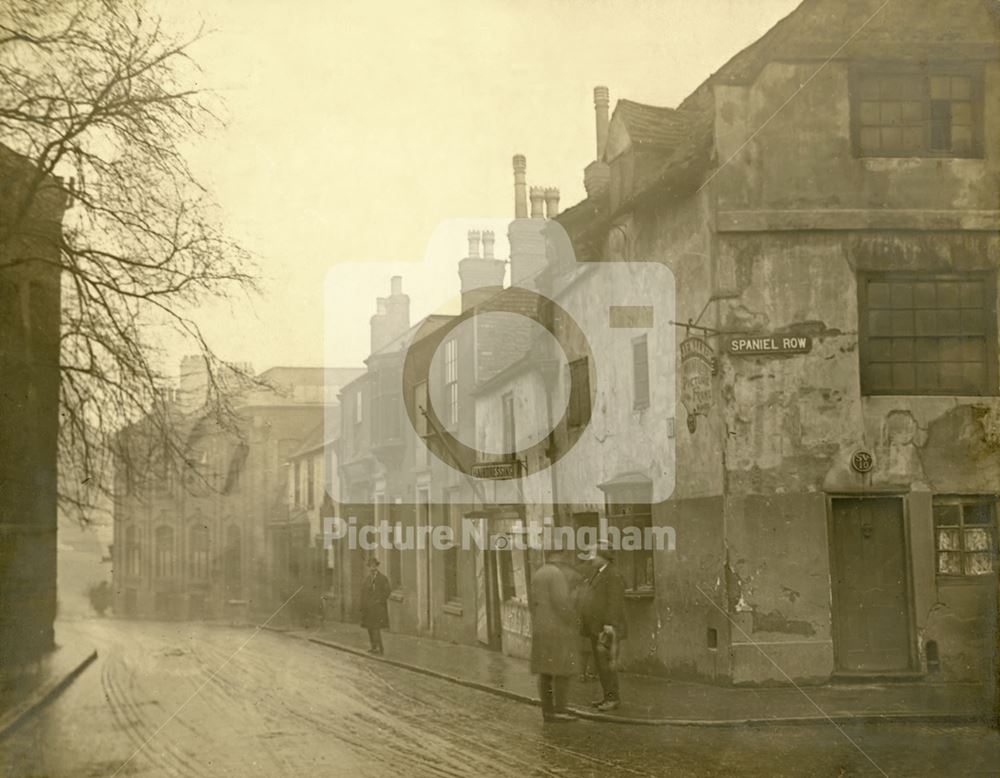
(205, 700)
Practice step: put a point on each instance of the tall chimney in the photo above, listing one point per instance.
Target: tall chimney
(520, 187)
(481, 276)
(597, 175)
(551, 202)
(537, 195)
(602, 98)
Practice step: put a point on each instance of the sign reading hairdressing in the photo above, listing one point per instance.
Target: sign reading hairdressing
(764, 345)
(497, 471)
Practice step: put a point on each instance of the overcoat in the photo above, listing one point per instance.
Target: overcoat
(602, 602)
(554, 621)
(374, 593)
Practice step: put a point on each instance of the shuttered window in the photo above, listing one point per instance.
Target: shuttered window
(579, 395)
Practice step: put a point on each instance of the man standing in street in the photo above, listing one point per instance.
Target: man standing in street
(374, 612)
(602, 620)
(554, 627)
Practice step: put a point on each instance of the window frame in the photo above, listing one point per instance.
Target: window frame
(450, 370)
(938, 69)
(640, 402)
(988, 278)
(579, 406)
(963, 500)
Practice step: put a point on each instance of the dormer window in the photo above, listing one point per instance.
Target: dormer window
(917, 113)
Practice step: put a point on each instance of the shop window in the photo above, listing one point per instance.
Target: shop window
(917, 114)
(579, 397)
(928, 334)
(451, 382)
(634, 565)
(965, 536)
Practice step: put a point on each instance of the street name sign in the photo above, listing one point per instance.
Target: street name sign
(765, 345)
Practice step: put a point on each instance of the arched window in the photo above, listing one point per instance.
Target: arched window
(131, 560)
(164, 545)
(199, 552)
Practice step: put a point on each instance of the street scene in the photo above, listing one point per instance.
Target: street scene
(605, 388)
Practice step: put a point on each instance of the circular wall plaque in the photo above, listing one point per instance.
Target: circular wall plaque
(862, 461)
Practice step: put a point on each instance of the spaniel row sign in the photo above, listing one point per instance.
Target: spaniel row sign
(764, 345)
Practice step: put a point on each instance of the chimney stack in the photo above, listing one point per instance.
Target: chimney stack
(602, 99)
(520, 187)
(392, 315)
(551, 202)
(481, 276)
(537, 195)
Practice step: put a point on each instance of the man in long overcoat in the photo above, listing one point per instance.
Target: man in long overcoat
(602, 620)
(374, 612)
(554, 631)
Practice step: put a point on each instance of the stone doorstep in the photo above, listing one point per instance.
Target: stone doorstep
(839, 717)
(63, 672)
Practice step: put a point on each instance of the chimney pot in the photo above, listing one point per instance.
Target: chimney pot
(551, 202)
(537, 195)
(473, 243)
(520, 184)
(488, 241)
(396, 284)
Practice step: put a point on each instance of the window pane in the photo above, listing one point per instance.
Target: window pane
(925, 322)
(869, 139)
(878, 294)
(869, 88)
(923, 295)
(950, 563)
(902, 349)
(869, 112)
(948, 540)
(977, 539)
(940, 88)
(961, 87)
(961, 139)
(903, 376)
(949, 322)
(961, 114)
(927, 376)
(902, 322)
(901, 294)
(880, 349)
(972, 321)
(880, 377)
(972, 295)
(978, 564)
(979, 513)
(946, 515)
(949, 294)
(892, 113)
(891, 137)
(913, 138)
(913, 111)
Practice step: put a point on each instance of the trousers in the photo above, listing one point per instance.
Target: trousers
(553, 690)
(608, 676)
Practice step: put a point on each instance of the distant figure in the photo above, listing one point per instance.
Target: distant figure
(602, 620)
(554, 634)
(100, 597)
(374, 613)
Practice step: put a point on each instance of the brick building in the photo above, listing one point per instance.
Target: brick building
(31, 212)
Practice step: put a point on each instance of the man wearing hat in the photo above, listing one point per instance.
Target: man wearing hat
(374, 612)
(602, 620)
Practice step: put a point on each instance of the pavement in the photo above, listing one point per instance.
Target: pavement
(40, 683)
(651, 700)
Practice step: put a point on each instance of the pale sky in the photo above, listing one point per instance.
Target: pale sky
(358, 127)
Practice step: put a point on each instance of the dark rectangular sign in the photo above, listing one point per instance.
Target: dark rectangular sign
(497, 470)
(762, 345)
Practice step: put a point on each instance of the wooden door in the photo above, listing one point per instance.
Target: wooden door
(871, 614)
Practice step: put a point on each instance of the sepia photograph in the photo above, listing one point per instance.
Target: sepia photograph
(499, 388)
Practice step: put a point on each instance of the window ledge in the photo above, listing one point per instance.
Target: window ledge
(964, 580)
(640, 594)
(396, 595)
(453, 608)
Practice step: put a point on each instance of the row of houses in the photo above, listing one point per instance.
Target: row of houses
(808, 400)
(822, 409)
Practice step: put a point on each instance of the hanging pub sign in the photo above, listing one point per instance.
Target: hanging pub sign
(764, 345)
(697, 367)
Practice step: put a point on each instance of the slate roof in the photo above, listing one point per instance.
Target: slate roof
(655, 127)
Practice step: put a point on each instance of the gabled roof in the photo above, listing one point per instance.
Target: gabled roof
(653, 127)
(424, 327)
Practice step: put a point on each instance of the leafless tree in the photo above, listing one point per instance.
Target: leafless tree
(101, 95)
